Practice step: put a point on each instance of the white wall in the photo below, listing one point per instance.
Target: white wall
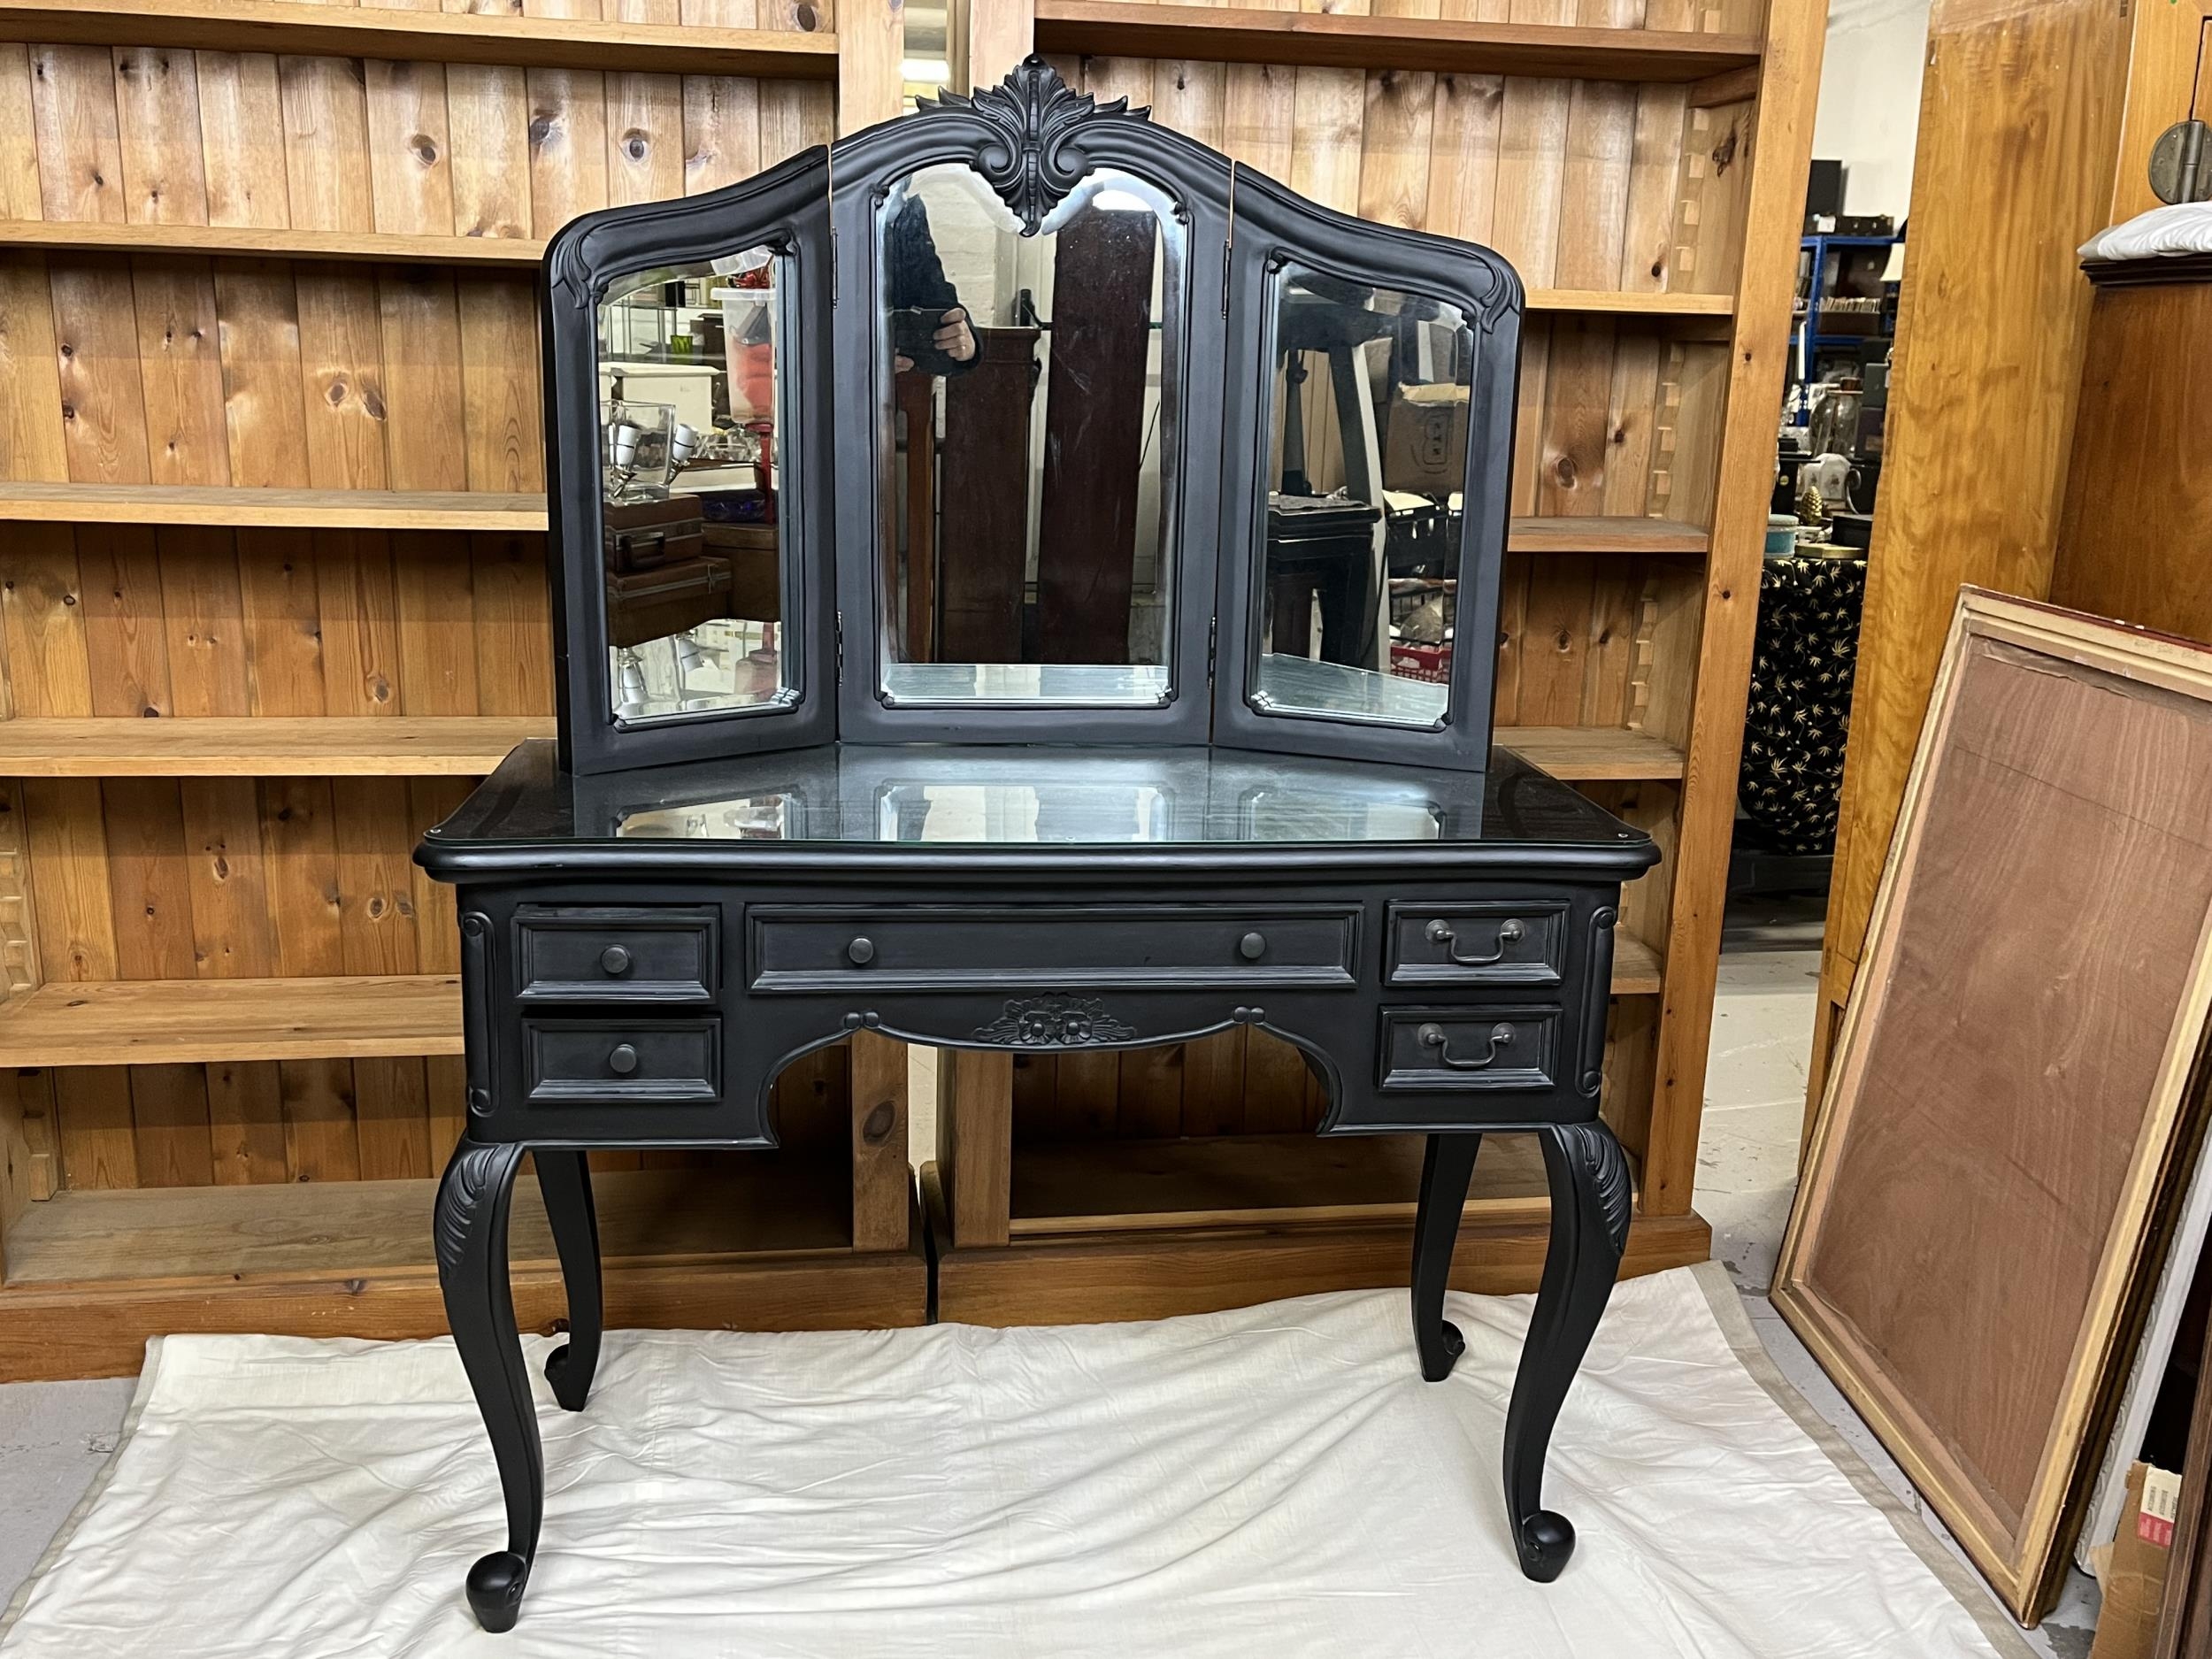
(1869, 99)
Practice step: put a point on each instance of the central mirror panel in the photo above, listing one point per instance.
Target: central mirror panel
(1029, 392)
(1367, 467)
(689, 411)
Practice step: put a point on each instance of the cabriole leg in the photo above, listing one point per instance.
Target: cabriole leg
(1588, 1177)
(1446, 1168)
(471, 1229)
(565, 1179)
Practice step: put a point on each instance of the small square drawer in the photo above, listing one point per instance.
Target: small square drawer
(1486, 942)
(1470, 1048)
(607, 953)
(666, 1063)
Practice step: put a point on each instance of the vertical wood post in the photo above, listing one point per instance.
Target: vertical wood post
(1000, 34)
(975, 1144)
(2012, 171)
(1781, 149)
(870, 50)
(882, 1177)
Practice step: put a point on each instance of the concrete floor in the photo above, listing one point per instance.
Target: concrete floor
(53, 1436)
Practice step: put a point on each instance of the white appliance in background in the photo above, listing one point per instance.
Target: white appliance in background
(686, 387)
(1833, 476)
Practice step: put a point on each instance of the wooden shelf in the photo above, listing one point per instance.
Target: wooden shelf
(479, 509)
(1637, 969)
(1119, 28)
(450, 38)
(149, 1022)
(98, 236)
(1239, 1180)
(739, 1205)
(1594, 754)
(524, 253)
(1618, 302)
(1605, 534)
(420, 746)
(269, 509)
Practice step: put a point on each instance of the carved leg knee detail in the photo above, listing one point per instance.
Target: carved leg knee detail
(473, 1201)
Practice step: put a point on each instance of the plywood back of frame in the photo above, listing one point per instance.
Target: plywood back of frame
(2007, 1102)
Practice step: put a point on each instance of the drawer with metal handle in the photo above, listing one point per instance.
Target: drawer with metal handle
(1470, 1048)
(920, 948)
(609, 953)
(663, 1063)
(1487, 941)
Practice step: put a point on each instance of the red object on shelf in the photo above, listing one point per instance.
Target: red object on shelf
(1421, 662)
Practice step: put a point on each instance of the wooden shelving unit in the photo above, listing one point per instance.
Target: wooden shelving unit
(298, 410)
(274, 411)
(1649, 186)
(448, 38)
(1237, 34)
(274, 746)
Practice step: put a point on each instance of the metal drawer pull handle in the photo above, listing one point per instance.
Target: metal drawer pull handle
(1436, 1038)
(622, 1060)
(1252, 947)
(863, 951)
(1509, 931)
(615, 960)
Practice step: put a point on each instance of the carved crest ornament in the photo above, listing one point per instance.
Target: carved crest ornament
(1034, 121)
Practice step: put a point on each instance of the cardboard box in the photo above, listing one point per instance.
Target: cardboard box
(2134, 1580)
(1424, 440)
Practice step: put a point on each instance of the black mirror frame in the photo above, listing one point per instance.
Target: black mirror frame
(1274, 228)
(786, 209)
(1034, 140)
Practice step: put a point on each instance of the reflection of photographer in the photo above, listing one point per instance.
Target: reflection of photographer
(930, 328)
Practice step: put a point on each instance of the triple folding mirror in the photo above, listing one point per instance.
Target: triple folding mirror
(1022, 420)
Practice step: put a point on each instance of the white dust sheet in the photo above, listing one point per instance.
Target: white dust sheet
(1274, 1481)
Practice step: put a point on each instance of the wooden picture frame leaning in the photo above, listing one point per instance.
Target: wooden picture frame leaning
(2014, 1095)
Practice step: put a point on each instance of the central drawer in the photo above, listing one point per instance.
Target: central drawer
(817, 947)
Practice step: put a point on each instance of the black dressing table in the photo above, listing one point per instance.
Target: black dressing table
(818, 775)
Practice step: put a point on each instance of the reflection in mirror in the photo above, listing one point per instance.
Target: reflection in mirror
(1368, 458)
(761, 818)
(1004, 812)
(1277, 813)
(1031, 397)
(689, 412)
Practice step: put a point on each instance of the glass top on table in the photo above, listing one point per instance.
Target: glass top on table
(1033, 794)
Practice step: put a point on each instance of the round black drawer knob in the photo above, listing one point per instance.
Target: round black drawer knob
(615, 960)
(1252, 947)
(863, 951)
(622, 1060)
